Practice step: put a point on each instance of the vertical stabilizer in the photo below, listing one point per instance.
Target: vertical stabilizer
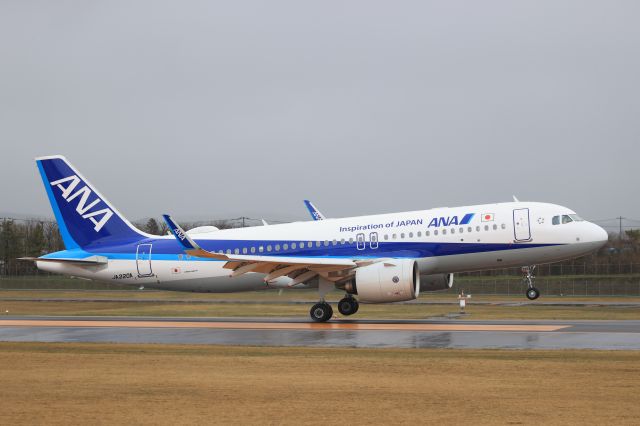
(84, 216)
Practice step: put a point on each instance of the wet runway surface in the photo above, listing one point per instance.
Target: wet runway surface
(337, 333)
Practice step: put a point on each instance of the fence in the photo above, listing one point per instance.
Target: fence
(601, 286)
(561, 280)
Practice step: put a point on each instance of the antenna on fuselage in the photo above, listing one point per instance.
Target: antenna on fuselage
(515, 199)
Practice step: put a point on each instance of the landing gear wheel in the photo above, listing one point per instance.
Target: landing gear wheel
(348, 306)
(533, 293)
(321, 312)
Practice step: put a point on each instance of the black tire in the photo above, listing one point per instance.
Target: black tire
(532, 293)
(348, 306)
(321, 312)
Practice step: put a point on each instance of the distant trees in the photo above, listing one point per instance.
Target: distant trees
(152, 227)
(26, 238)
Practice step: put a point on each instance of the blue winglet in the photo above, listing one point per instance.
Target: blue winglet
(182, 237)
(313, 211)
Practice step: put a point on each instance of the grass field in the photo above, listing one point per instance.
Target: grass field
(178, 304)
(156, 384)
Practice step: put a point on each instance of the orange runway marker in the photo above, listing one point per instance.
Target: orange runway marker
(280, 326)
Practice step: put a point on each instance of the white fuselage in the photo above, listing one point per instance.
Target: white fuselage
(442, 240)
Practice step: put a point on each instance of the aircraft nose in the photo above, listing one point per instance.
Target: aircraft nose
(599, 235)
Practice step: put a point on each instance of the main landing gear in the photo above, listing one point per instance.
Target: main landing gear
(322, 311)
(348, 305)
(528, 277)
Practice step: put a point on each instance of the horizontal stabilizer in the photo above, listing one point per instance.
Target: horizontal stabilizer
(91, 260)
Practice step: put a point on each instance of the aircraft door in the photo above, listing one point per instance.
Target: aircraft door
(143, 260)
(521, 225)
(373, 240)
(360, 242)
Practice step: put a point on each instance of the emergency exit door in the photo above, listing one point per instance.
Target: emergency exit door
(521, 225)
(143, 260)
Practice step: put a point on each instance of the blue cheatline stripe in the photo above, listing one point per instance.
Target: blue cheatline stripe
(171, 250)
(467, 218)
(69, 242)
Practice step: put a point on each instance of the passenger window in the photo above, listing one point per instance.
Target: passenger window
(386, 236)
(335, 242)
(294, 246)
(326, 243)
(556, 220)
(469, 229)
(253, 249)
(244, 250)
(236, 251)
(461, 230)
(477, 229)
(261, 249)
(228, 251)
(486, 227)
(277, 247)
(435, 232)
(410, 234)
(419, 234)
(444, 232)
(495, 227)
(427, 233)
(402, 235)
(453, 230)
(285, 247)
(394, 236)
(351, 240)
(317, 243)
(269, 248)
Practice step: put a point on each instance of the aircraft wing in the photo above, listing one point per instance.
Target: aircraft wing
(313, 211)
(301, 269)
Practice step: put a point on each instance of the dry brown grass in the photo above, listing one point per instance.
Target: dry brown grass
(157, 384)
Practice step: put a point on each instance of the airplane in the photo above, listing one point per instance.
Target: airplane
(374, 259)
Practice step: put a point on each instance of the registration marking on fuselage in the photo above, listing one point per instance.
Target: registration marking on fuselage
(281, 326)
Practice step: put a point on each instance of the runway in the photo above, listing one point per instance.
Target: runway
(337, 333)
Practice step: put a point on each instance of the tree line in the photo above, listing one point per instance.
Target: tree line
(33, 238)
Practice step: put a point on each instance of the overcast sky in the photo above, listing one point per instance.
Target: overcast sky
(215, 109)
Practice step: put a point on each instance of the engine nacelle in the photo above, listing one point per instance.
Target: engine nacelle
(436, 282)
(393, 280)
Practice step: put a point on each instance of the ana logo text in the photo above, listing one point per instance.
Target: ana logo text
(179, 234)
(98, 217)
(450, 220)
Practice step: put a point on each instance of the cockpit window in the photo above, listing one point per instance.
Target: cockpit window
(566, 218)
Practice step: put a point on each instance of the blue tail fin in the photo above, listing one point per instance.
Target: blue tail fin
(84, 216)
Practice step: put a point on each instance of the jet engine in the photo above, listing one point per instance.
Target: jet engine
(393, 280)
(436, 282)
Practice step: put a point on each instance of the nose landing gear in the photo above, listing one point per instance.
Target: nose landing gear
(528, 277)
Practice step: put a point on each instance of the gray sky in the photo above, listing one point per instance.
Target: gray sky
(214, 109)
